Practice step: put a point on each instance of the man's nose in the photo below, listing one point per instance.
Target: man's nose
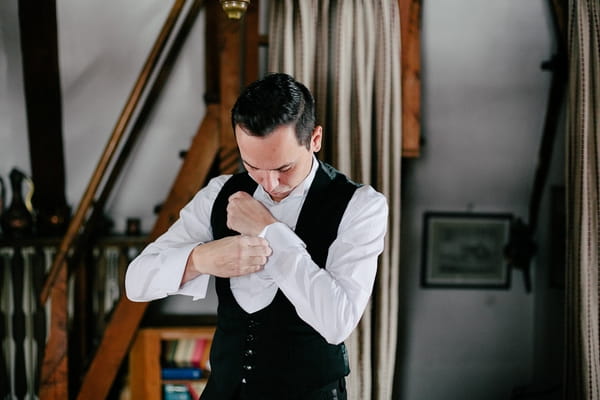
(270, 180)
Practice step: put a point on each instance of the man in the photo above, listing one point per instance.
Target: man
(293, 245)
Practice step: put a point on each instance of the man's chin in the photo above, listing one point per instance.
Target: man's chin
(279, 196)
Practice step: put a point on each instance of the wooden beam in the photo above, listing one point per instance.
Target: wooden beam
(39, 48)
(54, 379)
(410, 20)
(560, 17)
(558, 86)
(211, 46)
(145, 353)
(194, 171)
(251, 44)
(230, 60)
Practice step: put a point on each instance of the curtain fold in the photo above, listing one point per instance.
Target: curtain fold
(582, 378)
(348, 54)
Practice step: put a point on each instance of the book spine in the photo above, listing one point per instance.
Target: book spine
(198, 352)
(176, 392)
(181, 373)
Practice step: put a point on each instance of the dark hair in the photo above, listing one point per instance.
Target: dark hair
(273, 101)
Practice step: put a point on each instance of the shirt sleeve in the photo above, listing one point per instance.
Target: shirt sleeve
(158, 270)
(332, 300)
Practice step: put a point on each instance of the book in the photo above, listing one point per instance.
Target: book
(186, 353)
(183, 352)
(174, 373)
(198, 352)
(196, 388)
(168, 352)
(172, 391)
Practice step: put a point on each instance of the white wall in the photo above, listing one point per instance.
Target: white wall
(484, 99)
(102, 48)
(14, 147)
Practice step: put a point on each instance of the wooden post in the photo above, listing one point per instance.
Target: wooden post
(54, 379)
(39, 46)
(410, 20)
(230, 60)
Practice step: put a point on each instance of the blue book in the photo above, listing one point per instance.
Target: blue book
(181, 373)
(176, 392)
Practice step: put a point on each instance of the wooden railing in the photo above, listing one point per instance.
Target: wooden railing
(24, 322)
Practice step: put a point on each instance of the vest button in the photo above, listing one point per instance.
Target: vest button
(248, 367)
(250, 338)
(249, 353)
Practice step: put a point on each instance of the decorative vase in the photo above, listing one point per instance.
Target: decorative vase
(17, 220)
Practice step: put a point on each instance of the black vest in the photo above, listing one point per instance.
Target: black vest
(273, 352)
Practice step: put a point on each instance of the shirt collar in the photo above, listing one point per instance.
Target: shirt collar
(299, 191)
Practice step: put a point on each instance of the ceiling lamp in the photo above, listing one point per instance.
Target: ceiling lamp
(235, 9)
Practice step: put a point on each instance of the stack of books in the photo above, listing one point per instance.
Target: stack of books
(185, 360)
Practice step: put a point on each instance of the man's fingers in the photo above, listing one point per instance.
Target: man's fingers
(249, 269)
(253, 240)
(257, 261)
(257, 245)
(238, 195)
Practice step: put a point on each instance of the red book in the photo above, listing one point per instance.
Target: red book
(198, 353)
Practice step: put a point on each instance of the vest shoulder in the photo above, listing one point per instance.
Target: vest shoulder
(336, 175)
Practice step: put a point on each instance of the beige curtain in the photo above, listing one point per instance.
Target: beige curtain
(583, 185)
(348, 53)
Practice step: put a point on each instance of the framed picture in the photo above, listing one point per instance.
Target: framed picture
(465, 250)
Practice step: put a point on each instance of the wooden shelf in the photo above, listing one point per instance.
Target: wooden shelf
(145, 358)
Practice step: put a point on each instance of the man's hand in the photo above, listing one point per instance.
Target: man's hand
(247, 215)
(228, 257)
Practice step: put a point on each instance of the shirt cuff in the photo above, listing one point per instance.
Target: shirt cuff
(285, 244)
(173, 267)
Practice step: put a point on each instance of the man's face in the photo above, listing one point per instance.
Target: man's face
(277, 162)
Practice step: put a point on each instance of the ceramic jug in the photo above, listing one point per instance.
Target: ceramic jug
(17, 219)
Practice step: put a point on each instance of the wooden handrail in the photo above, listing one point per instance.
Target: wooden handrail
(110, 149)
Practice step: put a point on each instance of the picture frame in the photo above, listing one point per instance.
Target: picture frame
(465, 250)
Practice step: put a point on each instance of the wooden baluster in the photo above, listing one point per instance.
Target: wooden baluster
(112, 277)
(81, 337)
(18, 323)
(29, 306)
(39, 314)
(100, 291)
(5, 384)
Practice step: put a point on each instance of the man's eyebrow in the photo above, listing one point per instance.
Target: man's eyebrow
(273, 169)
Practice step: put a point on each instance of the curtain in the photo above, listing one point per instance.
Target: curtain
(348, 54)
(582, 378)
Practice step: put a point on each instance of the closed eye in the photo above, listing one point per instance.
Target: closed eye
(283, 168)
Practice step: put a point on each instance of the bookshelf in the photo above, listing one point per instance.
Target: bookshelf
(145, 358)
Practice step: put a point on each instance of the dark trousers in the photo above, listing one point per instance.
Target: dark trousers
(333, 391)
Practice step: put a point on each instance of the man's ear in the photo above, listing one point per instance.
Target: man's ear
(316, 137)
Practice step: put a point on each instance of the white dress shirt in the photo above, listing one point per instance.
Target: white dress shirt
(331, 300)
